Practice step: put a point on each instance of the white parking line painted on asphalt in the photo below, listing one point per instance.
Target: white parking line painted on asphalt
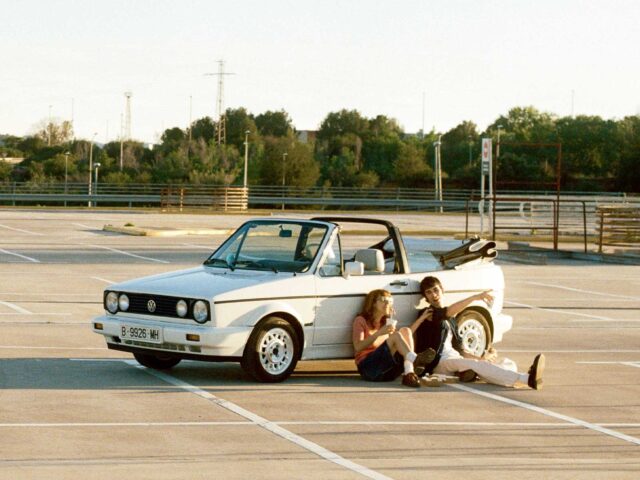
(246, 423)
(550, 413)
(129, 254)
(204, 247)
(266, 424)
(589, 292)
(16, 308)
(565, 312)
(103, 280)
(572, 351)
(21, 230)
(19, 255)
(26, 347)
(627, 364)
(85, 226)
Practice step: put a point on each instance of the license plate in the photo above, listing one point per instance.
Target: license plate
(141, 334)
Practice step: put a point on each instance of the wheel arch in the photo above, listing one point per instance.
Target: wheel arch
(484, 312)
(287, 317)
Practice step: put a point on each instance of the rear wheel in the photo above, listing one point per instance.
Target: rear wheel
(156, 361)
(272, 351)
(474, 330)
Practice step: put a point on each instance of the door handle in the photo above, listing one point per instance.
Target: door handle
(399, 283)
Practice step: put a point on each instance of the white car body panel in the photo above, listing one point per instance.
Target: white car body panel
(323, 308)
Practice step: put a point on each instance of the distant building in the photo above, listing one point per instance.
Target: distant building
(12, 160)
(307, 136)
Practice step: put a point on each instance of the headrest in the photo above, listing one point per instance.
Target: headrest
(372, 258)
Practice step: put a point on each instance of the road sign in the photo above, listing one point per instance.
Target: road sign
(486, 156)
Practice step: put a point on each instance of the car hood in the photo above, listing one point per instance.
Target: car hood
(199, 282)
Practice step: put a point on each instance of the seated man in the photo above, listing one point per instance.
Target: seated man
(435, 328)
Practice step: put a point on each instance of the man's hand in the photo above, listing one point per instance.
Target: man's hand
(486, 297)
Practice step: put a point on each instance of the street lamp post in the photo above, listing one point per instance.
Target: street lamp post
(66, 174)
(284, 164)
(246, 157)
(96, 166)
(91, 165)
(491, 181)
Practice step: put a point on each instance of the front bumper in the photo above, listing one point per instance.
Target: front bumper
(213, 342)
(501, 324)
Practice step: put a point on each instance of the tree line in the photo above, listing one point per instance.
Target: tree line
(348, 150)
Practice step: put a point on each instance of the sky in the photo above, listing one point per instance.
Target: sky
(431, 63)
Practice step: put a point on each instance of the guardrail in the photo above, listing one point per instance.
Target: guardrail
(235, 197)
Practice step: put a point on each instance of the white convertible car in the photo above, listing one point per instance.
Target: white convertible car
(280, 290)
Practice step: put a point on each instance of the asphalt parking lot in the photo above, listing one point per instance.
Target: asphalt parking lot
(70, 408)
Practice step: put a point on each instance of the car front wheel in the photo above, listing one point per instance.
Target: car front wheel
(474, 330)
(158, 362)
(272, 351)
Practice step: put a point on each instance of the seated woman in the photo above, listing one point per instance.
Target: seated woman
(381, 352)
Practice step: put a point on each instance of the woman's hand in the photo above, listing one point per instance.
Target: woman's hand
(385, 330)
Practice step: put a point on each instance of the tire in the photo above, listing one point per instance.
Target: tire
(474, 330)
(272, 352)
(156, 361)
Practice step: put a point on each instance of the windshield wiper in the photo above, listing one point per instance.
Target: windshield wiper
(222, 261)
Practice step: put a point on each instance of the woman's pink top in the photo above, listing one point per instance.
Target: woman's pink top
(362, 331)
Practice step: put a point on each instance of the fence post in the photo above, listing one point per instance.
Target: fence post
(584, 224)
(601, 230)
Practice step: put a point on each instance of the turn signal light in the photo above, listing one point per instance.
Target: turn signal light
(98, 326)
(192, 337)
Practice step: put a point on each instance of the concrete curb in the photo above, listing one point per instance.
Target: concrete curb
(539, 255)
(164, 232)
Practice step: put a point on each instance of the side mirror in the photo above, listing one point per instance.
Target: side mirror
(353, 268)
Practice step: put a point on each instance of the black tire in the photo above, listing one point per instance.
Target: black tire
(272, 352)
(475, 332)
(156, 361)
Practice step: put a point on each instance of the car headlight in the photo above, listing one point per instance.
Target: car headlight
(182, 308)
(200, 311)
(123, 302)
(111, 302)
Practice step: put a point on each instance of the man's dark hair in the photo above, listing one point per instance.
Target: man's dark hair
(429, 282)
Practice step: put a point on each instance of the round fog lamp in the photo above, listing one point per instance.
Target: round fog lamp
(200, 311)
(123, 302)
(111, 302)
(181, 308)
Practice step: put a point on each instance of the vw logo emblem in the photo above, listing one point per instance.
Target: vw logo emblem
(151, 306)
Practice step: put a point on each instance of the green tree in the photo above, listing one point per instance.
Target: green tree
(55, 133)
(274, 124)
(410, 168)
(590, 146)
(299, 166)
(456, 144)
(203, 129)
(5, 171)
(238, 122)
(628, 173)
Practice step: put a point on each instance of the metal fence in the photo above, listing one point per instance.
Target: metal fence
(272, 197)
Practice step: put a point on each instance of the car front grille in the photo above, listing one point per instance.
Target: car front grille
(164, 306)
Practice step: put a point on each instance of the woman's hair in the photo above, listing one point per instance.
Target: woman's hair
(369, 302)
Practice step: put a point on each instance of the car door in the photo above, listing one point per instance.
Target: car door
(339, 299)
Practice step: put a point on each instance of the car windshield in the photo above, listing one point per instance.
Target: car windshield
(271, 246)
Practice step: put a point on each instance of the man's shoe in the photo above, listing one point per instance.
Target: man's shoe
(410, 380)
(467, 376)
(423, 359)
(535, 372)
